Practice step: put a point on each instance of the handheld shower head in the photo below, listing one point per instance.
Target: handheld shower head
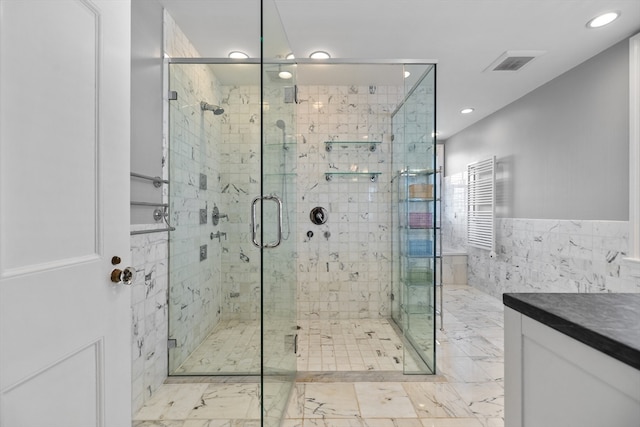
(281, 125)
(216, 109)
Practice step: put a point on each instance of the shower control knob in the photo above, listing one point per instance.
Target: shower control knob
(125, 276)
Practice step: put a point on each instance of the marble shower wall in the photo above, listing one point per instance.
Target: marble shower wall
(344, 269)
(195, 261)
(239, 183)
(149, 313)
(541, 255)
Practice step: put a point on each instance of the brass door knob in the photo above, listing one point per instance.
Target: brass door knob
(125, 276)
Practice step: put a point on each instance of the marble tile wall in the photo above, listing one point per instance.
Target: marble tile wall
(536, 255)
(149, 311)
(454, 269)
(239, 183)
(343, 270)
(454, 214)
(195, 262)
(541, 255)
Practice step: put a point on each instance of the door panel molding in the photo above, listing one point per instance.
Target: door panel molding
(57, 227)
(47, 266)
(59, 377)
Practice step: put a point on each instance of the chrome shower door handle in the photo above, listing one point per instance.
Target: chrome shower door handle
(253, 222)
(279, 233)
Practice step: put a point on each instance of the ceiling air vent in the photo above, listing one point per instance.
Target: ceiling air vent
(514, 60)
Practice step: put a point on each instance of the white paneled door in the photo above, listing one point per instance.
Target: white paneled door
(64, 196)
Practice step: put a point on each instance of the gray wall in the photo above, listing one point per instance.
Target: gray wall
(562, 150)
(146, 104)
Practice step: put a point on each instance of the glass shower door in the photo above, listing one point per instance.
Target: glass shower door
(278, 220)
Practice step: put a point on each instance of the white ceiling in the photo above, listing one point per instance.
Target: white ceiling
(463, 36)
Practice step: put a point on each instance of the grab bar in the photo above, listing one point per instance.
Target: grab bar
(157, 181)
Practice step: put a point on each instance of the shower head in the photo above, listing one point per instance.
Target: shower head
(205, 106)
(280, 124)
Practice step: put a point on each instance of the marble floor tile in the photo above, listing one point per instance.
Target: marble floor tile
(172, 402)
(451, 422)
(350, 345)
(330, 400)
(492, 422)
(228, 401)
(437, 400)
(158, 423)
(392, 422)
(468, 392)
(233, 347)
(463, 370)
(483, 399)
(295, 408)
(222, 423)
(332, 422)
(384, 400)
(494, 367)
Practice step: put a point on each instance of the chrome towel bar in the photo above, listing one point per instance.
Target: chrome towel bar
(155, 230)
(162, 205)
(157, 181)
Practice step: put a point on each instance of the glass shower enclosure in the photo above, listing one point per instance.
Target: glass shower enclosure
(414, 220)
(232, 282)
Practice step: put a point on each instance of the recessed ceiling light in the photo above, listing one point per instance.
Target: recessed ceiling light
(285, 75)
(602, 20)
(466, 110)
(236, 54)
(406, 74)
(319, 54)
(290, 56)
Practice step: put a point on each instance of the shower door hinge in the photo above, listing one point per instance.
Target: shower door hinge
(173, 95)
(172, 343)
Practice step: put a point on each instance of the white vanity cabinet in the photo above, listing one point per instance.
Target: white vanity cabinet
(554, 380)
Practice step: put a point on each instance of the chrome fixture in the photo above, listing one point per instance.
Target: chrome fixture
(215, 215)
(278, 202)
(216, 109)
(218, 235)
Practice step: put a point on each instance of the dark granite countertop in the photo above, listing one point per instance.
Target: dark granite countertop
(609, 323)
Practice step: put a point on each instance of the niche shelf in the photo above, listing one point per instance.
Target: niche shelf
(372, 176)
(328, 145)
